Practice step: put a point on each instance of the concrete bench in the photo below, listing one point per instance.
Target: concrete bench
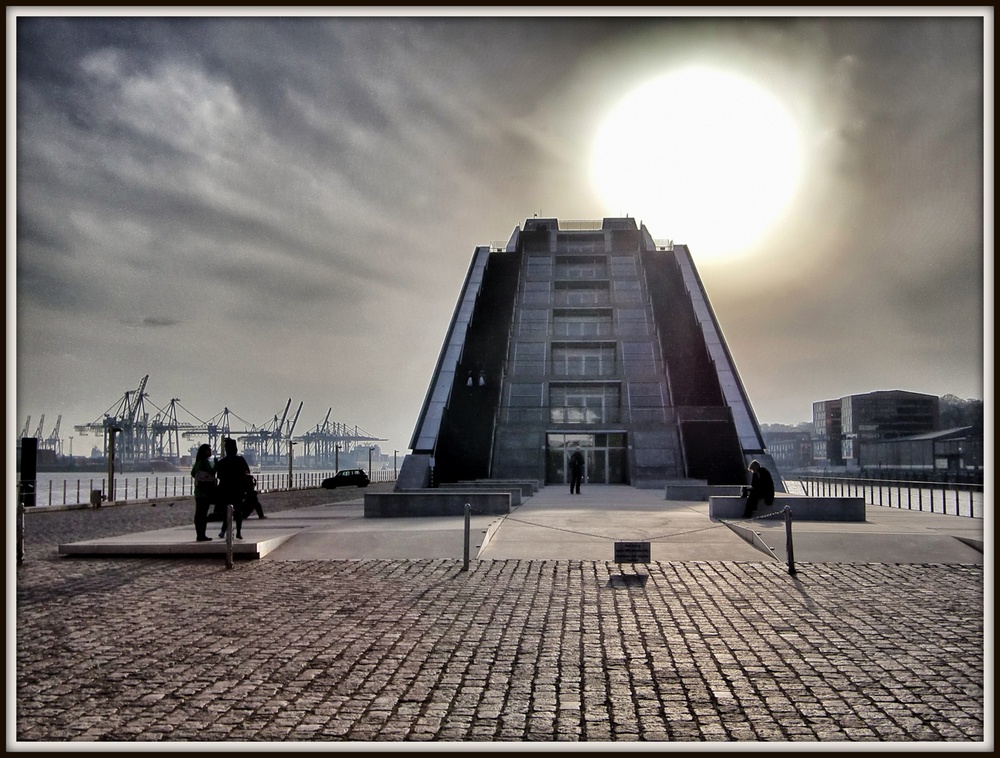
(528, 487)
(435, 503)
(803, 508)
(698, 491)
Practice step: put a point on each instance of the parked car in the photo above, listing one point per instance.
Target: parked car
(348, 477)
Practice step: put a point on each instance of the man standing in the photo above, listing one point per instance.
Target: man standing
(234, 480)
(761, 488)
(576, 466)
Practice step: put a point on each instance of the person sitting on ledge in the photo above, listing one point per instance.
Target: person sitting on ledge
(761, 488)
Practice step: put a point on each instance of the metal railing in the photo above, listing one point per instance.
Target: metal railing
(957, 499)
(148, 487)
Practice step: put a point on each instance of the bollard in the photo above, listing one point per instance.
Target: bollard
(788, 539)
(468, 521)
(229, 536)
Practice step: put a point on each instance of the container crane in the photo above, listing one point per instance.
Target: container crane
(27, 425)
(53, 442)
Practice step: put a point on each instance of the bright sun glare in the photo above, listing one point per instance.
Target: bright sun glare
(702, 157)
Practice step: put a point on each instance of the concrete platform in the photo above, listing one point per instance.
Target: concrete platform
(804, 508)
(556, 525)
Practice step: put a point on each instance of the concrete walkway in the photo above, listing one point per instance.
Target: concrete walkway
(553, 524)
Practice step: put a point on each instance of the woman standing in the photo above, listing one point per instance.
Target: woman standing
(203, 472)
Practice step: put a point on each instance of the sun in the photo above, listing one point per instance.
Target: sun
(700, 156)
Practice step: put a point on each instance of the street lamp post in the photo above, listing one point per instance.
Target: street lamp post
(394, 473)
(290, 444)
(370, 448)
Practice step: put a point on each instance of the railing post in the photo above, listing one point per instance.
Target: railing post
(788, 539)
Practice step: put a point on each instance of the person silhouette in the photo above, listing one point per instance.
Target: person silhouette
(761, 488)
(205, 488)
(576, 467)
(234, 480)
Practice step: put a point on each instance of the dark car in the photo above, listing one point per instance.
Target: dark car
(348, 477)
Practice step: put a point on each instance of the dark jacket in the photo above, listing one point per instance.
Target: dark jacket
(762, 486)
(234, 478)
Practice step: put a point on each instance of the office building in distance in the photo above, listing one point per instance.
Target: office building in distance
(584, 336)
(842, 428)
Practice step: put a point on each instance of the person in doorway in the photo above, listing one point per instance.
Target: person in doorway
(761, 488)
(234, 481)
(576, 466)
(203, 472)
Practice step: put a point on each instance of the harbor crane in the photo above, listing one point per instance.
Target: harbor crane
(38, 432)
(129, 415)
(27, 426)
(53, 442)
(144, 439)
(322, 445)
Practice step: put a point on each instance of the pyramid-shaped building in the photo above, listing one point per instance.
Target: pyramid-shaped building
(591, 336)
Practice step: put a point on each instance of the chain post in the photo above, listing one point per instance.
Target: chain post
(788, 539)
(229, 536)
(468, 519)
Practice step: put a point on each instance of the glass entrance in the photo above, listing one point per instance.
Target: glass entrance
(603, 454)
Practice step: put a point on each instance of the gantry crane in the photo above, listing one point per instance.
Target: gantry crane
(53, 442)
(322, 445)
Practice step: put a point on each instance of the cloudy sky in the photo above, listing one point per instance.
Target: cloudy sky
(252, 210)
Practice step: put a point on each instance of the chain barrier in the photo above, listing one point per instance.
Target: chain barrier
(606, 537)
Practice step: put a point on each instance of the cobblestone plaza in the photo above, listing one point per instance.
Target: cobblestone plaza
(511, 651)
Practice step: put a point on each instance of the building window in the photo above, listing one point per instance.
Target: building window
(627, 292)
(525, 395)
(533, 322)
(582, 293)
(537, 293)
(633, 322)
(539, 267)
(638, 358)
(583, 359)
(581, 267)
(584, 403)
(623, 266)
(581, 323)
(529, 358)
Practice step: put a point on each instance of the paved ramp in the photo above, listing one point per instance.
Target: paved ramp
(554, 524)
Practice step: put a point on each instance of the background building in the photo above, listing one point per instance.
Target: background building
(950, 454)
(790, 450)
(884, 415)
(589, 336)
(827, 433)
(842, 428)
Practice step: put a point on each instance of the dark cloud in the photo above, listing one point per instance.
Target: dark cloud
(314, 188)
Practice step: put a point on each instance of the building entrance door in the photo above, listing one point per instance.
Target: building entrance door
(603, 454)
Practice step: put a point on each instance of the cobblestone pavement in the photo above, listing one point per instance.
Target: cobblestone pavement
(521, 650)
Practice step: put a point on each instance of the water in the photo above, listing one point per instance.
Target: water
(73, 488)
